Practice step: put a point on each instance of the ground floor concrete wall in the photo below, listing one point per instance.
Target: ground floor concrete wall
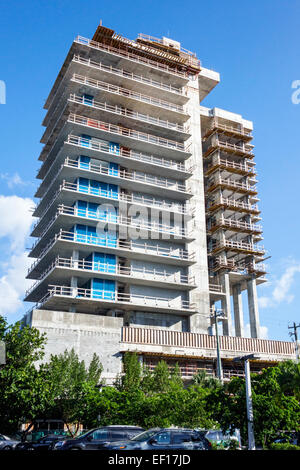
(87, 334)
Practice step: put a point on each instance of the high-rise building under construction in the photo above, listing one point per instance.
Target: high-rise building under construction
(147, 229)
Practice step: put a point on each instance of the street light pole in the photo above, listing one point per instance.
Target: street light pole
(251, 439)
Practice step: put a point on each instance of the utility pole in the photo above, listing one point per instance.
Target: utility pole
(216, 315)
(251, 439)
(295, 327)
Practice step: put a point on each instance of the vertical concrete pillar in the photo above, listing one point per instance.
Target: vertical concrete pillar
(253, 308)
(226, 306)
(75, 258)
(200, 321)
(238, 310)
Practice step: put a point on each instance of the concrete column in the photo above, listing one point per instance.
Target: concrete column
(75, 258)
(198, 322)
(253, 308)
(226, 306)
(238, 310)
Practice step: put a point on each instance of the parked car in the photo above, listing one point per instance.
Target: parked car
(7, 443)
(94, 439)
(224, 440)
(44, 443)
(163, 438)
(288, 437)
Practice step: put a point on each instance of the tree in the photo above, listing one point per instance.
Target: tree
(70, 386)
(22, 392)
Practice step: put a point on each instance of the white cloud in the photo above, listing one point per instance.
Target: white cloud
(281, 287)
(16, 220)
(263, 330)
(13, 180)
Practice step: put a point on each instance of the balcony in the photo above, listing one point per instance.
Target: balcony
(68, 194)
(232, 185)
(65, 242)
(234, 225)
(180, 76)
(129, 94)
(137, 81)
(233, 205)
(87, 300)
(198, 344)
(243, 150)
(219, 263)
(242, 247)
(230, 131)
(230, 166)
(62, 268)
(136, 226)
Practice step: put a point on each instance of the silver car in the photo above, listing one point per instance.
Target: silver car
(6, 443)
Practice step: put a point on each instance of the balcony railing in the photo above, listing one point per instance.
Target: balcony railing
(98, 295)
(171, 338)
(237, 246)
(132, 57)
(120, 91)
(231, 130)
(231, 184)
(238, 149)
(233, 204)
(129, 175)
(125, 132)
(125, 112)
(147, 274)
(235, 266)
(114, 219)
(115, 244)
(235, 224)
(234, 167)
(120, 197)
(133, 76)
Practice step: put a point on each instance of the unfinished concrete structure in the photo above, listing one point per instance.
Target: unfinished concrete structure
(147, 212)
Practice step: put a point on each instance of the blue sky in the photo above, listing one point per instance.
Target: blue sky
(253, 44)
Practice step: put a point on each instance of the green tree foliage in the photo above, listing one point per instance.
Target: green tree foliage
(70, 385)
(22, 390)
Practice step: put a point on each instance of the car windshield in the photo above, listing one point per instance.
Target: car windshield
(144, 436)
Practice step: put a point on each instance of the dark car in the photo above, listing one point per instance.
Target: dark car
(95, 438)
(44, 443)
(166, 438)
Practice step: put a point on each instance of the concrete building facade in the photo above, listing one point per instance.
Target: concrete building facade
(147, 213)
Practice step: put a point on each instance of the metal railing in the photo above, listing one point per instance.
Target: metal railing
(244, 187)
(133, 76)
(232, 203)
(117, 297)
(120, 91)
(231, 223)
(236, 148)
(125, 132)
(115, 270)
(235, 266)
(114, 219)
(132, 56)
(114, 244)
(118, 196)
(235, 245)
(230, 165)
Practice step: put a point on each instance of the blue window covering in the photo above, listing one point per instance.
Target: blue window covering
(113, 169)
(82, 208)
(84, 162)
(88, 99)
(85, 140)
(104, 262)
(86, 234)
(93, 210)
(114, 191)
(114, 148)
(83, 185)
(103, 289)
